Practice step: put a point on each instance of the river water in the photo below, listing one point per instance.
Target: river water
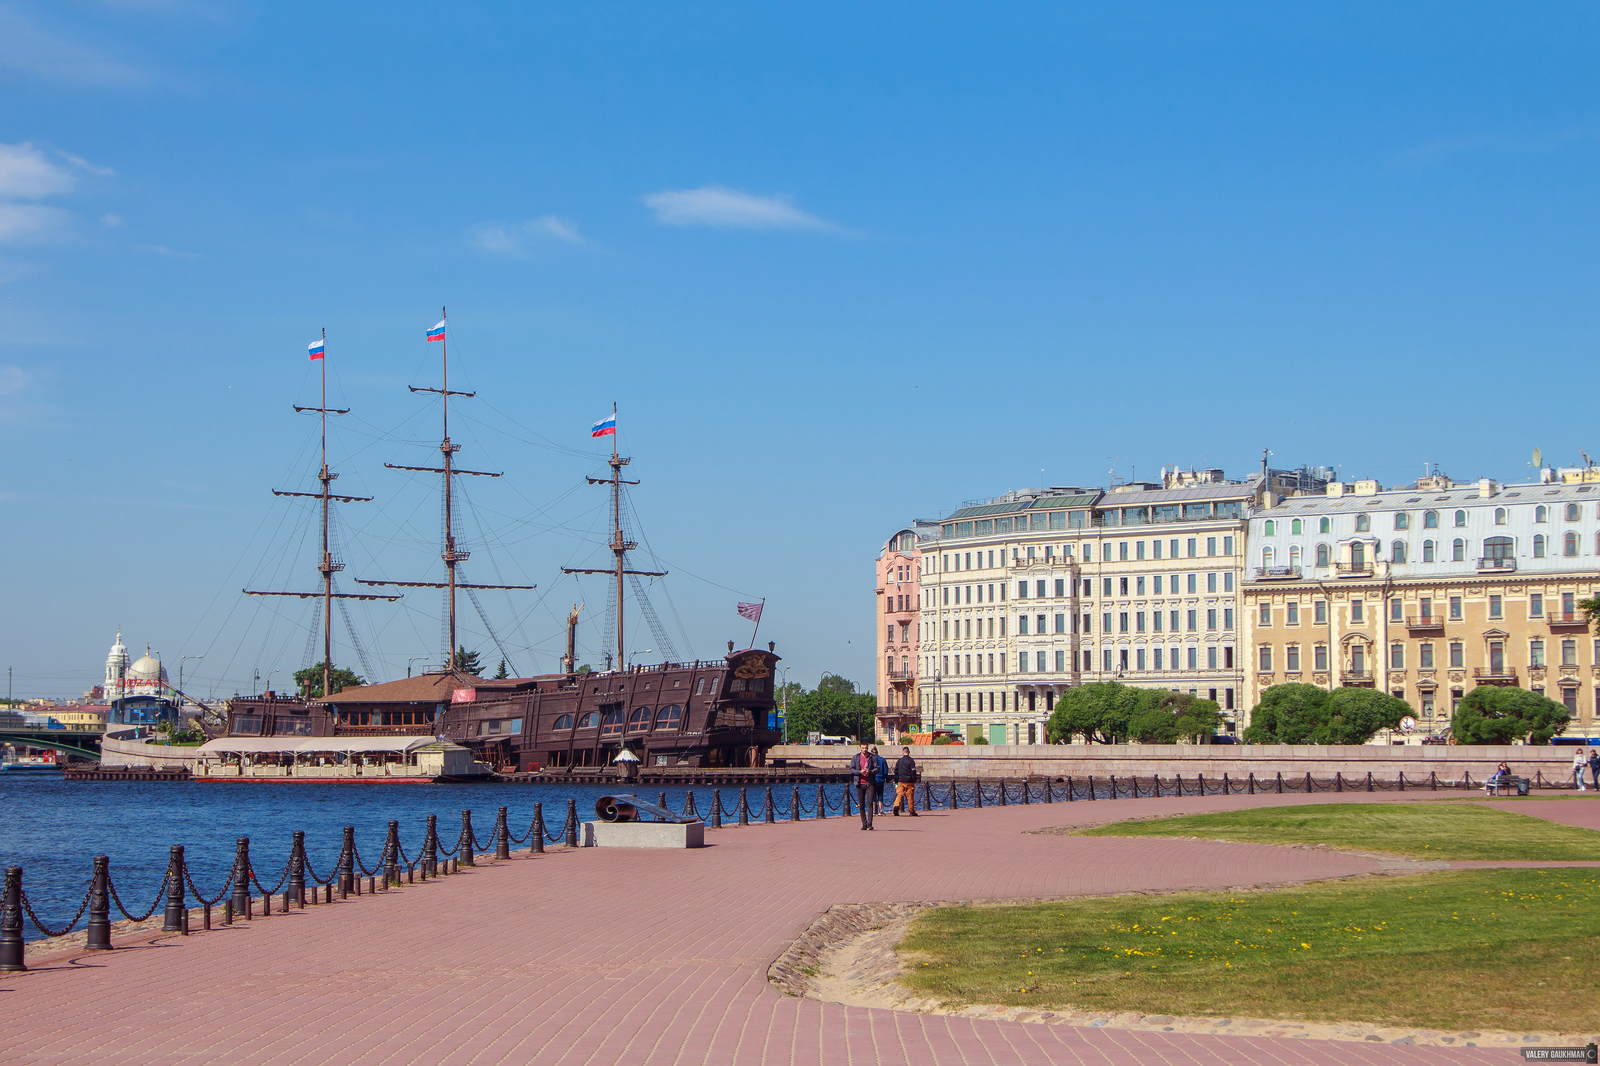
(54, 828)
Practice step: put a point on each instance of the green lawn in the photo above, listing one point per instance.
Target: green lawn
(1480, 949)
(1420, 830)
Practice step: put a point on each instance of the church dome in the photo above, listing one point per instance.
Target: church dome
(146, 668)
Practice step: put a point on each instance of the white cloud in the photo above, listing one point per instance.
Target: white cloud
(512, 238)
(83, 164)
(111, 221)
(715, 205)
(12, 380)
(163, 250)
(25, 174)
(27, 49)
(31, 223)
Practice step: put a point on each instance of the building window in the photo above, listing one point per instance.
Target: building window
(1270, 529)
(1193, 586)
(1536, 605)
(1397, 610)
(1397, 656)
(1402, 520)
(1138, 622)
(1319, 612)
(1461, 519)
(1122, 550)
(1211, 545)
(1211, 659)
(1499, 516)
(1535, 652)
(1061, 661)
(1266, 557)
(1194, 658)
(1191, 546)
(1211, 619)
(1227, 581)
(1457, 655)
(1266, 658)
(1138, 658)
(1292, 610)
(1294, 557)
(1425, 656)
(1427, 551)
(1022, 662)
(1363, 523)
(1291, 658)
(1061, 623)
(1569, 653)
(1022, 625)
(1430, 520)
(1494, 607)
(1157, 654)
(1191, 621)
(1541, 513)
(1266, 614)
(1572, 512)
(1569, 545)
(1324, 525)
(1356, 615)
(1322, 554)
(1397, 552)
(1296, 527)
(1319, 657)
(1039, 662)
(1227, 618)
(1455, 608)
(1211, 582)
(1458, 551)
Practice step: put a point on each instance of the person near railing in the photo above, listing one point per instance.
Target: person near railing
(862, 767)
(1594, 768)
(1579, 764)
(905, 784)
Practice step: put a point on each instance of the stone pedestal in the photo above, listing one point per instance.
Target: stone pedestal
(642, 835)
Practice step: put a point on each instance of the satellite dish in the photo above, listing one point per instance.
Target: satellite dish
(1538, 459)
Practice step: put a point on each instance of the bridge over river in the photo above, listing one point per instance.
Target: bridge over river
(79, 743)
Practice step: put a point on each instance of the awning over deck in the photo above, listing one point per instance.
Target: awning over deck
(312, 745)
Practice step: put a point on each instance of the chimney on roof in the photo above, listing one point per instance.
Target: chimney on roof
(1487, 488)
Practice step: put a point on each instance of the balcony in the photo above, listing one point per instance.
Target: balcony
(912, 607)
(902, 677)
(1567, 619)
(1489, 675)
(1277, 573)
(1361, 569)
(1054, 560)
(1355, 677)
(1491, 566)
(1425, 623)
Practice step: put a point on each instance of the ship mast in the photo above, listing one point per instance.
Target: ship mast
(450, 554)
(620, 546)
(326, 566)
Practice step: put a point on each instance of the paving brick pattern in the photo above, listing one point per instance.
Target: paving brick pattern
(639, 958)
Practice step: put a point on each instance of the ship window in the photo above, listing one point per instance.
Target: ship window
(611, 724)
(669, 717)
(639, 720)
(563, 722)
(590, 720)
(700, 686)
(494, 727)
(714, 682)
(247, 723)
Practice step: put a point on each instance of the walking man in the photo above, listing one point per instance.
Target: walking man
(863, 767)
(905, 783)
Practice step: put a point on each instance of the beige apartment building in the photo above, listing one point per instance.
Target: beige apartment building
(1028, 594)
(1429, 591)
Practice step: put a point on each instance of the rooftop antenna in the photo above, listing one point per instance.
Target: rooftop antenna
(318, 351)
(620, 546)
(451, 554)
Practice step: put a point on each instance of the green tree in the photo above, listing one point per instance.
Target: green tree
(1491, 714)
(1177, 716)
(309, 680)
(466, 661)
(500, 674)
(1100, 711)
(833, 708)
(835, 683)
(1307, 714)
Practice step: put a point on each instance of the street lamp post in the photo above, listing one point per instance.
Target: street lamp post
(415, 659)
(631, 654)
(181, 661)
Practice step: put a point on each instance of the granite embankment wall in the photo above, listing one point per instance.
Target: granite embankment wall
(1237, 761)
(120, 749)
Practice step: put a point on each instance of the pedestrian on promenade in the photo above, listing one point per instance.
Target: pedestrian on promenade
(880, 775)
(905, 783)
(862, 768)
(1580, 763)
(1594, 767)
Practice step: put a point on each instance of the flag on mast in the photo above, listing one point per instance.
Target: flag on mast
(314, 349)
(437, 332)
(605, 427)
(751, 611)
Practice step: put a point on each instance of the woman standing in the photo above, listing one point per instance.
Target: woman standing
(1580, 763)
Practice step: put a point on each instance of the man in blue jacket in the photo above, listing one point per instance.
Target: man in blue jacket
(880, 777)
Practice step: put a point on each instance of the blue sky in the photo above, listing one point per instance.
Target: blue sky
(839, 267)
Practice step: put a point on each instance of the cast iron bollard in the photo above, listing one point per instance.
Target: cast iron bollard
(502, 836)
(297, 871)
(1027, 798)
(173, 919)
(1402, 780)
(1369, 781)
(744, 806)
(716, 808)
(347, 863)
(1338, 782)
(846, 804)
(1091, 786)
(537, 832)
(466, 838)
(430, 848)
(794, 805)
(572, 823)
(11, 921)
(955, 797)
(661, 801)
(1250, 784)
(771, 817)
(391, 854)
(822, 801)
(1200, 784)
(100, 906)
(241, 878)
(1049, 790)
(977, 792)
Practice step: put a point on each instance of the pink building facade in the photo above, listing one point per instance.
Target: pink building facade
(897, 593)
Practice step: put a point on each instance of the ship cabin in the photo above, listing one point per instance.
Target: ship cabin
(717, 713)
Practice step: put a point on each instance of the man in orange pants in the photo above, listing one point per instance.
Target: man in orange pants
(905, 784)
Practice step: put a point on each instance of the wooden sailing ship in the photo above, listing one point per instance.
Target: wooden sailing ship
(703, 714)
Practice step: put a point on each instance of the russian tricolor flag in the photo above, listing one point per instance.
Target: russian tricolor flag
(314, 349)
(604, 428)
(437, 332)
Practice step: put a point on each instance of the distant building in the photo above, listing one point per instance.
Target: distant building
(898, 591)
(1428, 591)
(137, 691)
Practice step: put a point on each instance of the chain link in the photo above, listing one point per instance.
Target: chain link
(64, 930)
(160, 894)
(226, 888)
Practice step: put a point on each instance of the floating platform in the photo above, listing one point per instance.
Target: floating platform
(681, 778)
(126, 773)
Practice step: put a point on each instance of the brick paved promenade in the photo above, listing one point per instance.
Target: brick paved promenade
(639, 957)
